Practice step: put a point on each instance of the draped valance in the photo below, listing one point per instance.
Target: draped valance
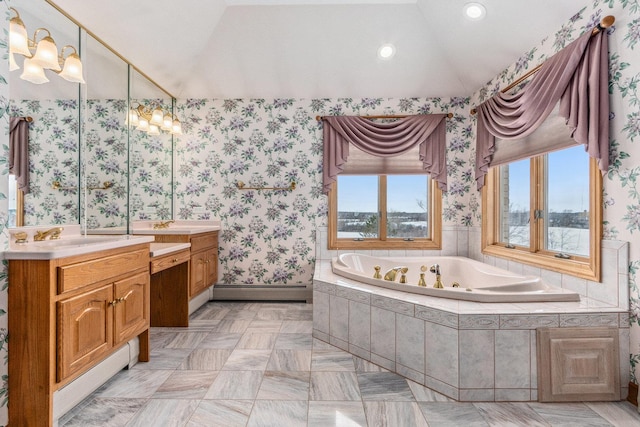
(426, 132)
(577, 78)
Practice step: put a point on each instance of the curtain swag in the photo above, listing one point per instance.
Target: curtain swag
(19, 151)
(385, 140)
(577, 78)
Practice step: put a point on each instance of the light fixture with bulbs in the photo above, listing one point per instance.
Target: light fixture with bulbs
(41, 55)
(152, 120)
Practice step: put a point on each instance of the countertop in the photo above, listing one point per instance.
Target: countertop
(159, 249)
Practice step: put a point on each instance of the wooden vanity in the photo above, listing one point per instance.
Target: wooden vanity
(169, 268)
(203, 258)
(178, 289)
(66, 315)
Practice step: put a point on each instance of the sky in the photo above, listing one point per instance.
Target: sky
(568, 173)
(568, 178)
(360, 193)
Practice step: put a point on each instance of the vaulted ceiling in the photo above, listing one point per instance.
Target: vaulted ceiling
(319, 48)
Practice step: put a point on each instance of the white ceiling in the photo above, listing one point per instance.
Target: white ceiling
(319, 48)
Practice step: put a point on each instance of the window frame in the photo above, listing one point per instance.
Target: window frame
(434, 221)
(536, 255)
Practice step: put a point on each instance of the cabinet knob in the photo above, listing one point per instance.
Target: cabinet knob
(174, 260)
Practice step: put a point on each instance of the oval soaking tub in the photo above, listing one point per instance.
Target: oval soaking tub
(477, 281)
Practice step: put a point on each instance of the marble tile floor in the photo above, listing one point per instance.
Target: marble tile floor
(256, 364)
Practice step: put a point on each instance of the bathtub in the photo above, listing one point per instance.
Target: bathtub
(477, 281)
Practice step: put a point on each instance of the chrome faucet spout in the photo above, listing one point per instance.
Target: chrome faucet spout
(435, 268)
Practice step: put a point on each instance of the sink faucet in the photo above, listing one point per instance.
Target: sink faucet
(390, 275)
(52, 234)
(435, 268)
(162, 224)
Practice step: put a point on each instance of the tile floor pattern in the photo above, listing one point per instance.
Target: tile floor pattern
(256, 364)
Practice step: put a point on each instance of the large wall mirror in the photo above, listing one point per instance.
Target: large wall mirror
(151, 148)
(105, 139)
(88, 163)
(54, 138)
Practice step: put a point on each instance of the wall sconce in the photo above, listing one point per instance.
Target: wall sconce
(153, 120)
(41, 55)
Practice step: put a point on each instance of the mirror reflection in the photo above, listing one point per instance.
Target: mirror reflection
(151, 148)
(53, 143)
(105, 139)
(88, 163)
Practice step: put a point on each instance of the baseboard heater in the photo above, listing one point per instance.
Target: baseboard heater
(263, 293)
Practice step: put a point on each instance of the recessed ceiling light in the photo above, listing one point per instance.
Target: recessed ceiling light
(474, 11)
(386, 51)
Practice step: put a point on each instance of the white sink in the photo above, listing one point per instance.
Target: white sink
(71, 245)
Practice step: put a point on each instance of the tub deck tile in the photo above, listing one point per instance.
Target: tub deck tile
(393, 305)
(479, 321)
(602, 319)
(437, 316)
(518, 321)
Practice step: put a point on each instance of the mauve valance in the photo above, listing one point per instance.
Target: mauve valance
(577, 78)
(385, 140)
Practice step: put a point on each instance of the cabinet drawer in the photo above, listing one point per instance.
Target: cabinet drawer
(203, 242)
(84, 273)
(170, 260)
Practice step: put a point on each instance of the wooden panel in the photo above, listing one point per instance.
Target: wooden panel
(578, 364)
(204, 241)
(84, 330)
(74, 276)
(169, 299)
(33, 346)
(167, 261)
(198, 276)
(131, 310)
(212, 266)
(172, 238)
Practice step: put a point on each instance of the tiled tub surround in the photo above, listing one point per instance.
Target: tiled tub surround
(465, 350)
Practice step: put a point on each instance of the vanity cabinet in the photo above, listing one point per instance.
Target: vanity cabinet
(68, 314)
(203, 270)
(204, 262)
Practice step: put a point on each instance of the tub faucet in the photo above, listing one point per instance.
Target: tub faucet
(435, 268)
(52, 234)
(391, 274)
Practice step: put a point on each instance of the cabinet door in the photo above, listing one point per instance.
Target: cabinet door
(84, 330)
(212, 266)
(198, 273)
(131, 310)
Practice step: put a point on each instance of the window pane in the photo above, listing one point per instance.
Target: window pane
(515, 203)
(567, 190)
(357, 206)
(407, 206)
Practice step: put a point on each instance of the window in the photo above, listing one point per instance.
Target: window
(384, 212)
(546, 211)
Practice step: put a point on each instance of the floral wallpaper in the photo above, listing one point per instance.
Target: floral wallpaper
(622, 182)
(4, 207)
(268, 237)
